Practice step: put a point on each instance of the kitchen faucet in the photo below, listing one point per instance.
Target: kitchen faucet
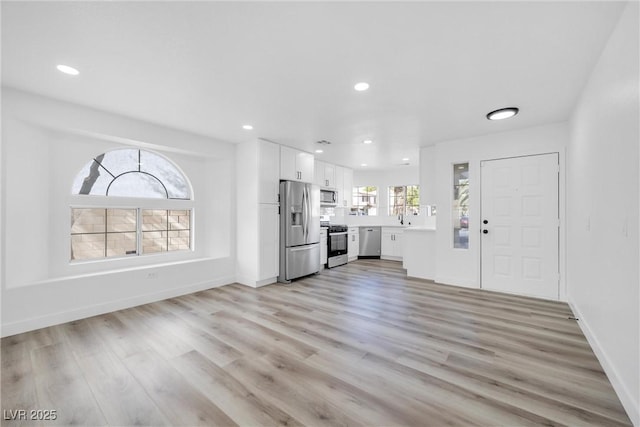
(401, 218)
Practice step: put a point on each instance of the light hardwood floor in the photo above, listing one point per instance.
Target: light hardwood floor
(356, 345)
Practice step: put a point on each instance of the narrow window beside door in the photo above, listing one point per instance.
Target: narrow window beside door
(460, 208)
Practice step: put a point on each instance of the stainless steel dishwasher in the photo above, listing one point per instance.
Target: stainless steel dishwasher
(370, 238)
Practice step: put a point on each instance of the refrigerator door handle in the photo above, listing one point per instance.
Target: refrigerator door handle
(305, 220)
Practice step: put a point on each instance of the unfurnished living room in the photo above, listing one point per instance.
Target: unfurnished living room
(264, 213)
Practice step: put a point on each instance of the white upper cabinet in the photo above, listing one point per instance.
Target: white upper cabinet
(329, 175)
(305, 165)
(347, 186)
(325, 174)
(319, 173)
(344, 184)
(296, 165)
(268, 172)
(339, 173)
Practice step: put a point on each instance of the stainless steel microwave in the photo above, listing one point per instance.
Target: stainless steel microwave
(328, 197)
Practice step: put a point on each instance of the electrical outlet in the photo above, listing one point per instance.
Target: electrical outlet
(152, 275)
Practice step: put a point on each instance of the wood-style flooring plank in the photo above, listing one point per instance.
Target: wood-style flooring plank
(60, 386)
(123, 400)
(179, 401)
(230, 395)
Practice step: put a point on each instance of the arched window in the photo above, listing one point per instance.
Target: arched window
(132, 173)
(99, 230)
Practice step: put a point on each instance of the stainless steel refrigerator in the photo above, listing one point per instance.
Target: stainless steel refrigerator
(299, 230)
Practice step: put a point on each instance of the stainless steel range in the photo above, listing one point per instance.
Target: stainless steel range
(337, 241)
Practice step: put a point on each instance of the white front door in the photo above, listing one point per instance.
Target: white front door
(519, 225)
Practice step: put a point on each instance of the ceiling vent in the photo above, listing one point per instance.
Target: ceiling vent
(323, 142)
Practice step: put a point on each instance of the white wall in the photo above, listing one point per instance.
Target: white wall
(461, 267)
(383, 179)
(603, 257)
(45, 143)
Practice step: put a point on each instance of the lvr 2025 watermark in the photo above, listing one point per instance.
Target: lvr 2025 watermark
(30, 414)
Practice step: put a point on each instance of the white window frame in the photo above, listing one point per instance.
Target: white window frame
(404, 208)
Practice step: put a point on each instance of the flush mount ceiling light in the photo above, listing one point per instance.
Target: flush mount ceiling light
(67, 70)
(367, 141)
(405, 159)
(503, 113)
(319, 151)
(364, 165)
(361, 86)
(247, 127)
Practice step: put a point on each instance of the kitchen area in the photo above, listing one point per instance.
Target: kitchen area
(299, 215)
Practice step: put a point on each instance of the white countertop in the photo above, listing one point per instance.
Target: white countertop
(419, 228)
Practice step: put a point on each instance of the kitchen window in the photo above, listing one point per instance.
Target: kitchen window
(121, 219)
(404, 200)
(365, 201)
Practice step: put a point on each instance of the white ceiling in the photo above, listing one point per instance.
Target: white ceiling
(288, 68)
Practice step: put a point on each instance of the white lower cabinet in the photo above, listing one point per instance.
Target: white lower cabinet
(323, 247)
(391, 245)
(353, 244)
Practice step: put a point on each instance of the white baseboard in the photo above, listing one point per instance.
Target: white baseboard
(630, 405)
(453, 281)
(31, 324)
(256, 284)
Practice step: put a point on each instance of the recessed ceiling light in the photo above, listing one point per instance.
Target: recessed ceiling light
(361, 86)
(405, 159)
(247, 127)
(68, 70)
(367, 141)
(503, 113)
(319, 151)
(363, 164)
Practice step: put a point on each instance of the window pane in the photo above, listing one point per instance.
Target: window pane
(154, 241)
(121, 244)
(118, 162)
(87, 221)
(365, 200)
(179, 220)
(137, 184)
(92, 179)
(396, 200)
(131, 173)
(460, 208)
(179, 240)
(166, 230)
(155, 219)
(413, 200)
(119, 220)
(165, 171)
(87, 246)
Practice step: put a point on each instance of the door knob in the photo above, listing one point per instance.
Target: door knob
(485, 231)
(485, 222)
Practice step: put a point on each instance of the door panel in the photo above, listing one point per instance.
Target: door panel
(519, 199)
(292, 209)
(313, 226)
(302, 260)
